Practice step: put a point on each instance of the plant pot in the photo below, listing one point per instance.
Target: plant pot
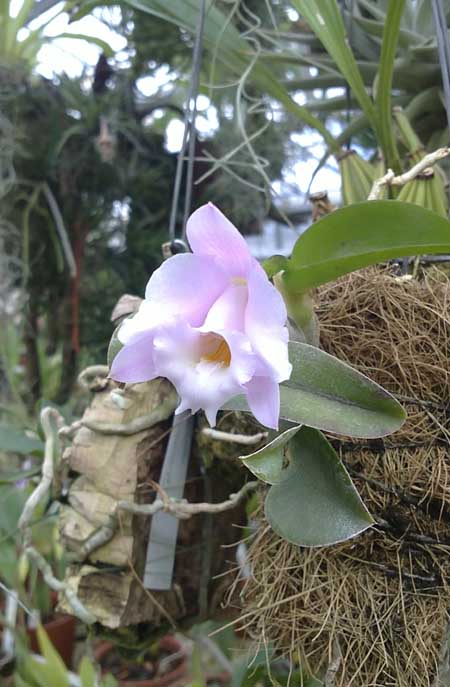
(61, 632)
(60, 629)
(168, 644)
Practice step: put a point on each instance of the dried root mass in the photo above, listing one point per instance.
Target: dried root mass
(380, 601)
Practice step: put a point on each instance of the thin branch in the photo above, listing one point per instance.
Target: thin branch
(409, 535)
(189, 124)
(245, 439)
(391, 572)
(389, 179)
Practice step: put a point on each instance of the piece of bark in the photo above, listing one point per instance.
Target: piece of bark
(76, 530)
(112, 468)
(126, 305)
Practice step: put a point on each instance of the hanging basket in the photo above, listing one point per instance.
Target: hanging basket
(375, 610)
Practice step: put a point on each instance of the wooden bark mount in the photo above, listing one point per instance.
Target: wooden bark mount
(112, 467)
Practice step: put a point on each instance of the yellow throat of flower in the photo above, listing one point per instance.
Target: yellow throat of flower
(216, 350)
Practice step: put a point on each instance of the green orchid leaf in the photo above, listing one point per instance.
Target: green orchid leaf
(86, 671)
(46, 670)
(274, 264)
(17, 441)
(114, 346)
(267, 463)
(17, 475)
(315, 503)
(363, 234)
(327, 394)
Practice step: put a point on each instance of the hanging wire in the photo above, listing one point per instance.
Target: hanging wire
(443, 49)
(348, 94)
(161, 548)
(189, 131)
(348, 17)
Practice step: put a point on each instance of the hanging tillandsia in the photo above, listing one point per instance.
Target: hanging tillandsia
(428, 189)
(357, 177)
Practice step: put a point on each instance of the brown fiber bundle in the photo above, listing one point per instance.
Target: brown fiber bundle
(374, 611)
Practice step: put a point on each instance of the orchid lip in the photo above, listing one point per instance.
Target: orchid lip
(214, 349)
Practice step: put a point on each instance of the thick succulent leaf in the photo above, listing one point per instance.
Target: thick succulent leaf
(364, 234)
(267, 463)
(327, 394)
(315, 503)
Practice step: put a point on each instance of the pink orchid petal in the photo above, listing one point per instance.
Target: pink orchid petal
(210, 233)
(212, 324)
(134, 362)
(147, 318)
(228, 312)
(186, 285)
(265, 320)
(263, 397)
(201, 384)
(243, 359)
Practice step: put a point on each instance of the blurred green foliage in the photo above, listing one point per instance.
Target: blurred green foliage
(92, 193)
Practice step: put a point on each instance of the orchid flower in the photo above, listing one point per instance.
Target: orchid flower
(211, 323)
